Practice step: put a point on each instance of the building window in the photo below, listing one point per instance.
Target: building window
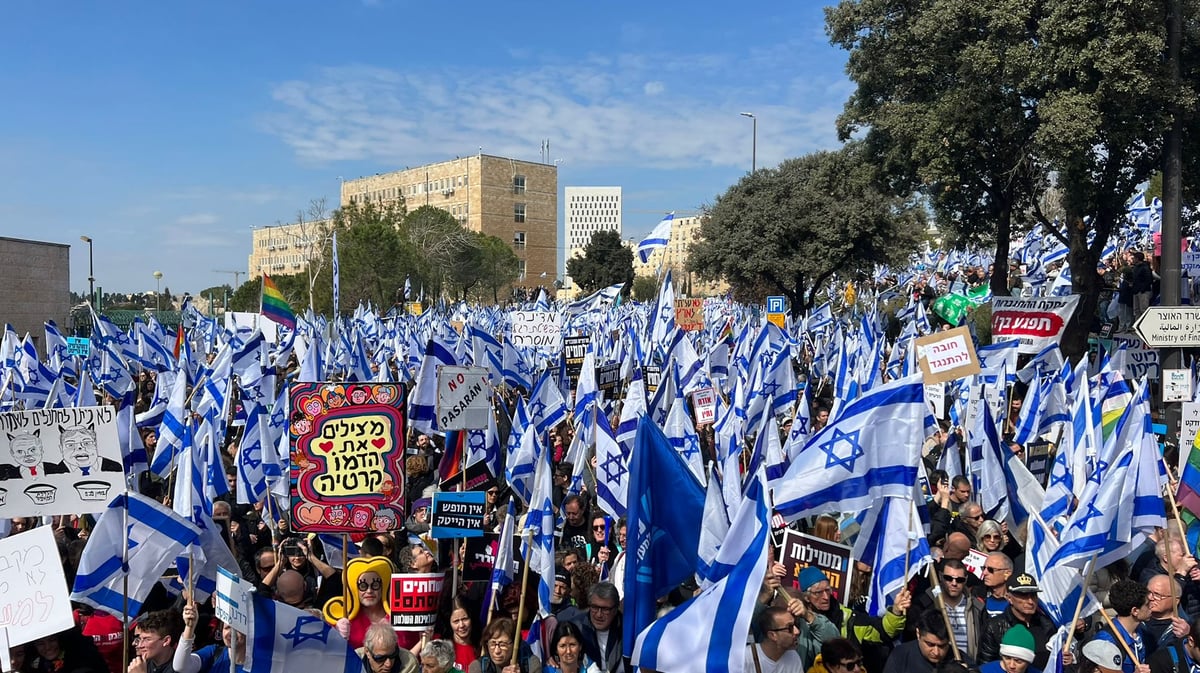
(518, 184)
(519, 240)
(518, 212)
(520, 269)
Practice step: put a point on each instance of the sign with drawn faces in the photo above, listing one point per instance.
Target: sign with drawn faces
(59, 461)
(347, 456)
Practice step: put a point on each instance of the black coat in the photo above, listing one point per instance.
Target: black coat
(1039, 625)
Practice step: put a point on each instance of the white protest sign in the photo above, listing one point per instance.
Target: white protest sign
(704, 405)
(463, 402)
(1189, 425)
(536, 329)
(33, 590)
(1141, 361)
(1190, 264)
(59, 461)
(5, 662)
(975, 561)
(935, 399)
(231, 602)
(1035, 323)
(946, 356)
(1177, 385)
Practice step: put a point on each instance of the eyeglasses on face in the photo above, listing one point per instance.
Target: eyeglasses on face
(597, 527)
(500, 644)
(953, 580)
(602, 608)
(976, 517)
(373, 585)
(851, 665)
(820, 592)
(380, 658)
(785, 627)
(990, 569)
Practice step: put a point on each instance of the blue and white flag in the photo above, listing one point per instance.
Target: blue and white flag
(174, 433)
(708, 633)
(283, 638)
(872, 450)
(337, 286)
(540, 520)
(422, 401)
(136, 538)
(502, 566)
(665, 507)
(657, 238)
(681, 432)
(891, 529)
(612, 469)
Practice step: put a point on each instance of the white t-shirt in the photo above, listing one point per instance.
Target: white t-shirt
(788, 663)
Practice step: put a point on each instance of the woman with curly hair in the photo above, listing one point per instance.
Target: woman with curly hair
(369, 582)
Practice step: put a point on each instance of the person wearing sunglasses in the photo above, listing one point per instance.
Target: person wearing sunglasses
(369, 592)
(382, 654)
(776, 651)
(994, 592)
(964, 611)
(838, 655)
(1022, 609)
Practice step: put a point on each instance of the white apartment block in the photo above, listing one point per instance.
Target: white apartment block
(586, 211)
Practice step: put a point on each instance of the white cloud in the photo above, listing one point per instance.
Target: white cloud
(197, 220)
(604, 110)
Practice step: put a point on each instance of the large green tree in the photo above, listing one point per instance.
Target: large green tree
(606, 261)
(987, 106)
(788, 230)
(440, 242)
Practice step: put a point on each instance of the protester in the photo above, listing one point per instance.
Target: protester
(964, 611)
(997, 569)
(1131, 601)
(464, 635)
(370, 599)
(1016, 653)
(382, 654)
(566, 650)
(211, 658)
(1183, 656)
(923, 655)
(600, 625)
(437, 656)
(67, 651)
(156, 635)
(776, 651)
(1023, 609)
(838, 655)
(497, 654)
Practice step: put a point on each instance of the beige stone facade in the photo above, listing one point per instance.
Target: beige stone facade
(35, 286)
(515, 201)
(286, 248)
(684, 232)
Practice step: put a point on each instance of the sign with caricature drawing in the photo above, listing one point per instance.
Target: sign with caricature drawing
(59, 461)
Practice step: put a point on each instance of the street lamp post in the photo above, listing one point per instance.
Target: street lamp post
(753, 141)
(158, 291)
(91, 270)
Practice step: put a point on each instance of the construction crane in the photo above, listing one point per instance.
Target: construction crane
(237, 275)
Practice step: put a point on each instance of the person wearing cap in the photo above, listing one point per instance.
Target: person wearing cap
(1183, 656)
(1131, 601)
(1016, 653)
(560, 595)
(964, 611)
(856, 625)
(1022, 609)
(812, 629)
(1100, 656)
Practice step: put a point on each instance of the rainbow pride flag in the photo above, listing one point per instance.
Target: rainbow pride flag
(274, 306)
(1188, 495)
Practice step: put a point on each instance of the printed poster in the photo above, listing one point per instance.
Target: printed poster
(347, 451)
(59, 461)
(1034, 323)
(799, 551)
(415, 598)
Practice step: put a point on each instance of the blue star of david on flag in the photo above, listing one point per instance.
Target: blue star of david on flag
(298, 634)
(1092, 513)
(833, 449)
(614, 469)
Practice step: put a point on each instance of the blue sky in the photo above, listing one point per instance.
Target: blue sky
(167, 130)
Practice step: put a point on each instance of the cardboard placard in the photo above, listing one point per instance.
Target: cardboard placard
(59, 461)
(231, 601)
(799, 551)
(689, 314)
(463, 402)
(415, 598)
(458, 514)
(704, 406)
(1141, 361)
(935, 399)
(536, 329)
(946, 356)
(574, 350)
(347, 449)
(608, 379)
(33, 589)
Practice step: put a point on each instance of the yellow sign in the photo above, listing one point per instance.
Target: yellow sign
(415, 308)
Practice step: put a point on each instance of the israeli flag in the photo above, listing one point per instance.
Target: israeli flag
(657, 238)
(283, 638)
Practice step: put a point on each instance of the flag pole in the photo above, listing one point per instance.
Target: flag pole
(1117, 634)
(528, 535)
(1087, 577)
(346, 577)
(125, 585)
(1175, 504)
(945, 617)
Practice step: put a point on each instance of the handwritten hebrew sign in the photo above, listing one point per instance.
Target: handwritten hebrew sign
(536, 329)
(689, 314)
(347, 450)
(948, 355)
(59, 461)
(33, 590)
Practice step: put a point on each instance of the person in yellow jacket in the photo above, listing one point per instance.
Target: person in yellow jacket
(874, 636)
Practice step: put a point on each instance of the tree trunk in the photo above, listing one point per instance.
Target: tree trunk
(1085, 282)
(999, 280)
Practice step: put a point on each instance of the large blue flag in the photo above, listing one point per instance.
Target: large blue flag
(666, 504)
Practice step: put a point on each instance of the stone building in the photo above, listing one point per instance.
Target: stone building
(35, 286)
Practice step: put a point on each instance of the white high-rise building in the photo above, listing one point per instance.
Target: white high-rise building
(588, 210)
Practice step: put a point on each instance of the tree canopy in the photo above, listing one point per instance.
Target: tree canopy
(788, 230)
(606, 261)
(987, 106)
